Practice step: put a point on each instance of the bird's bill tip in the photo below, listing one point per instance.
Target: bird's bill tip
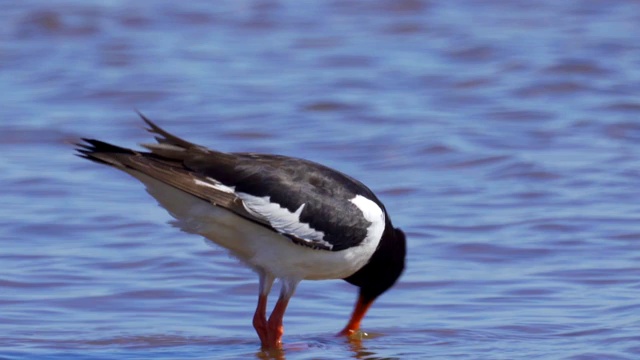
(360, 310)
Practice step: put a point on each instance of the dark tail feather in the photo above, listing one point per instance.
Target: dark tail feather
(169, 147)
(165, 137)
(100, 151)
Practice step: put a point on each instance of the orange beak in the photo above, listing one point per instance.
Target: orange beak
(358, 313)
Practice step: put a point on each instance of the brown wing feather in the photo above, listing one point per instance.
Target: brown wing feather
(164, 163)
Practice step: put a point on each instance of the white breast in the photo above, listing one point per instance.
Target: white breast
(260, 247)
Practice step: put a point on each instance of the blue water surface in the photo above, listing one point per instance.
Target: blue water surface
(503, 137)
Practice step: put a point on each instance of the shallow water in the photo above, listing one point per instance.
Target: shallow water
(503, 137)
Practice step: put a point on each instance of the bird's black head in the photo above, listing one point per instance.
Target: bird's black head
(378, 275)
(384, 267)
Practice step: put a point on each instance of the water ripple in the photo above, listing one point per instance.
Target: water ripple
(501, 136)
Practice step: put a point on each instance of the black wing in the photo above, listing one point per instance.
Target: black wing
(305, 201)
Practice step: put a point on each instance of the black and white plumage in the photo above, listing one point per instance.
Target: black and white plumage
(286, 218)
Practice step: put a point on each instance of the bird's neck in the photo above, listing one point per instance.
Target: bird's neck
(384, 267)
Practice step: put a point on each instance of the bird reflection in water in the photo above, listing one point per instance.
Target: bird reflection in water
(354, 343)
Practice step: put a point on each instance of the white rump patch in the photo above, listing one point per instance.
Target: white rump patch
(373, 214)
(281, 219)
(215, 184)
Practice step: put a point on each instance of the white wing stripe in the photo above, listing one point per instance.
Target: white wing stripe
(215, 184)
(281, 219)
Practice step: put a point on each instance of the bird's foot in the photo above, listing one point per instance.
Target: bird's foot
(352, 333)
(346, 332)
(274, 337)
(261, 329)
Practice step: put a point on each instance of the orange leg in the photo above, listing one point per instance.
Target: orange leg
(275, 326)
(260, 317)
(358, 314)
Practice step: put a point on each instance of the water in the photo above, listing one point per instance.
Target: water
(503, 137)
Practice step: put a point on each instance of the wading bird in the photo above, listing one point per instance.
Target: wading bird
(285, 218)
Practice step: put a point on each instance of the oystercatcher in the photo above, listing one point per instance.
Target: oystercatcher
(286, 218)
